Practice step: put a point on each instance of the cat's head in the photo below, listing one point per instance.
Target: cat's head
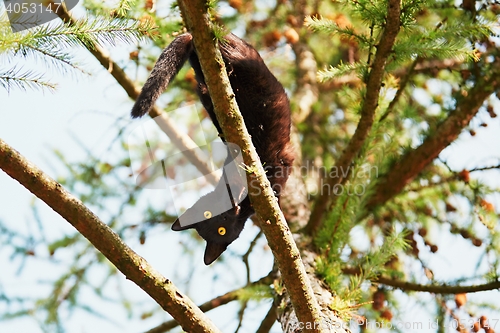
(218, 218)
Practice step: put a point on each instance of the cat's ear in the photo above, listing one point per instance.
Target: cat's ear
(213, 251)
(177, 226)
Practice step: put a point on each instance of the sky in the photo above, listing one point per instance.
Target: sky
(83, 110)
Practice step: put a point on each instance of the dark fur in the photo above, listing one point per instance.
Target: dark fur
(265, 108)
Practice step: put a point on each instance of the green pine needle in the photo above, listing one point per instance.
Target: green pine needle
(341, 70)
(16, 78)
(47, 43)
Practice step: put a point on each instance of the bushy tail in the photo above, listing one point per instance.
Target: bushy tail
(166, 68)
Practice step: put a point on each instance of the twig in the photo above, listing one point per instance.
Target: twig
(214, 303)
(442, 181)
(241, 314)
(247, 254)
(401, 89)
(438, 288)
(485, 168)
(456, 319)
(442, 288)
(268, 321)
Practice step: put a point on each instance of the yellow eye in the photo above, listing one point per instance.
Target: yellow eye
(207, 214)
(221, 231)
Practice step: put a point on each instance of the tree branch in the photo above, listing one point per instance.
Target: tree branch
(133, 266)
(367, 113)
(429, 288)
(492, 167)
(402, 86)
(416, 160)
(215, 303)
(268, 321)
(271, 218)
(438, 288)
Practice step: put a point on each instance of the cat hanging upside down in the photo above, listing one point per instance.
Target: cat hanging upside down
(265, 108)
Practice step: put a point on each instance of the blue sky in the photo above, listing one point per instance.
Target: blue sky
(84, 109)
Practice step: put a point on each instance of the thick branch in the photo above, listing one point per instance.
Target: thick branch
(273, 223)
(367, 112)
(179, 139)
(416, 160)
(133, 266)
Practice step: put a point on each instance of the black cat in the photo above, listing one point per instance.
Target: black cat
(265, 108)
